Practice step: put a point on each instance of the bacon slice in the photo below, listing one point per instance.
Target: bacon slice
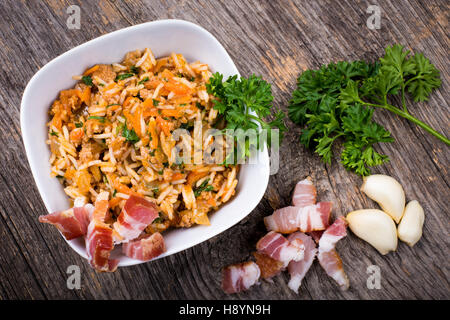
(99, 244)
(145, 248)
(239, 277)
(279, 248)
(136, 215)
(72, 223)
(328, 257)
(305, 219)
(269, 267)
(304, 193)
(298, 269)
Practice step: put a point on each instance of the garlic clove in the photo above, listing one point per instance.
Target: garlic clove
(374, 226)
(387, 192)
(410, 228)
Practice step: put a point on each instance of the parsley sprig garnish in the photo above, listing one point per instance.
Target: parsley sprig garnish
(236, 99)
(338, 100)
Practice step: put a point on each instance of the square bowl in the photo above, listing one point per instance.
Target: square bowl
(163, 37)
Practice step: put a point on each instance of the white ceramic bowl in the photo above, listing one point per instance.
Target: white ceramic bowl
(163, 37)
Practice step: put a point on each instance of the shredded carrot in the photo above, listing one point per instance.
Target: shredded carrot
(167, 74)
(150, 112)
(120, 187)
(109, 86)
(83, 181)
(85, 96)
(70, 173)
(148, 102)
(153, 134)
(134, 120)
(177, 88)
(212, 202)
(171, 113)
(76, 134)
(114, 202)
(194, 176)
(91, 70)
(163, 125)
(181, 99)
(57, 122)
(129, 100)
(177, 176)
(152, 84)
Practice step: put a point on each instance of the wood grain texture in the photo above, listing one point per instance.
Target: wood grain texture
(275, 39)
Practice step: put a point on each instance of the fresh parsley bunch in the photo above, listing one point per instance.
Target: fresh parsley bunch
(338, 101)
(235, 99)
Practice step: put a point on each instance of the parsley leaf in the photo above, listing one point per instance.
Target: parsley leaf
(203, 187)
(101, 119)
(425, 80)
(87, 80)
(338, 100)
(129, 135)
(235, 100)
(123, 76)
(144, 80)
(134, 69)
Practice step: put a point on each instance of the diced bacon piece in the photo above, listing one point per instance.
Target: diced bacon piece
(136, 215)
(269, 267)
(72, 222)
(316, 235)
(145, 248)
(328, 257)
(99, 244)
(101, 206)
(279, 248)
(305, 219)
(239, 277)
(298, 269)
(333, 234)
(304, 193)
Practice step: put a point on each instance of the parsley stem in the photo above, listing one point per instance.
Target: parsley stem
(406, 115)
(403, 99)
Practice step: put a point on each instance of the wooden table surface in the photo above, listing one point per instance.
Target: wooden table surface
(275, 39)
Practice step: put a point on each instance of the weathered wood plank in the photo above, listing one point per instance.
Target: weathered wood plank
(275, 39)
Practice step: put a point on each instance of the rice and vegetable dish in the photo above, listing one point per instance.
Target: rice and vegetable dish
(113, 133)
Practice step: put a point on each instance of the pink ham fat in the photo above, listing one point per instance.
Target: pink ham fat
(136, 215)
(239, 277)
(145, 248)
(305, 219)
